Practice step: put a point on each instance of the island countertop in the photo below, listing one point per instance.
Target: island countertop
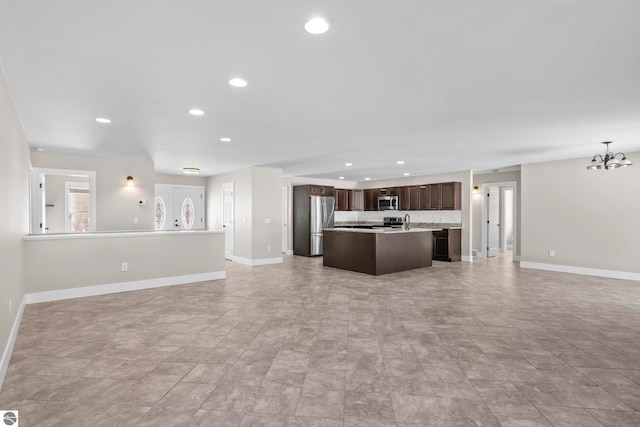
(387, 230)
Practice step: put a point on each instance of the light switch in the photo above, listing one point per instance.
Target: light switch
(267, 220)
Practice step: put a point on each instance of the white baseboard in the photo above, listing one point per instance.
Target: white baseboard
(288, 252)
(8, 350)
(255, 262)
(613, 274)
(466, 258)
(89, 291)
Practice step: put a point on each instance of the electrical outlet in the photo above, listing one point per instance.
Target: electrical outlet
(552, 252)
(125, 266)
(268, 248)
(135, 221)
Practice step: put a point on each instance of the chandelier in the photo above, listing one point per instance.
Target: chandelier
(608, 161)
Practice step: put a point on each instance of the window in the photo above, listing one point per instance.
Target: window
(161, 213)
(78, 212)
(188, 213)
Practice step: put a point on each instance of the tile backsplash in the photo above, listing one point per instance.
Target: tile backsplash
(435, 217)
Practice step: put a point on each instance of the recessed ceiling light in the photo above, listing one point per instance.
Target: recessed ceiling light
(317, 25)
(348, 164)
(406, 174)
(237, 82)
(191, 171)
(102, 120)
(367, 179)
(38, 148)
(225, 139)
(196, 112)
(400, 162)
(341, 177)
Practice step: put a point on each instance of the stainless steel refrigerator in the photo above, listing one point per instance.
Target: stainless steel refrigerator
(311, 213)
(321, 217)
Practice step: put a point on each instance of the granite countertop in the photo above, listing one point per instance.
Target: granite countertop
(382, 230)
(447, 226)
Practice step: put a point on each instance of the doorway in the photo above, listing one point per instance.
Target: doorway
(506, 224)
(179, 207)
(228, 205)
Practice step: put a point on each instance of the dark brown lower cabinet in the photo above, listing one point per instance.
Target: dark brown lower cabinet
(447, 245)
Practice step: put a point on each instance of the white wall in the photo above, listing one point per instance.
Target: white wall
(79, 261)
(14, 219)
(116, 202)
(591, 219)
(183, 179)
(257, 196)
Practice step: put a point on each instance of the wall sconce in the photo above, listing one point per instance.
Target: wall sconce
(130, 182)
(475, 190)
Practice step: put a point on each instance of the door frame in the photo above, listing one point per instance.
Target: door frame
(230, 256)
(484, 188)
(285, 219)
(37, 202)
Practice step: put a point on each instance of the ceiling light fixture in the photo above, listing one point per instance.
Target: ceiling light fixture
(400, 162)
(196, 112)
(225, 139)
(317, 25)
(238, 82)
(341, 177)
(367, 179)
(191, 171)
(348, 164)
(406, 174)
(102, 120)
(608, 161)
(38, 148)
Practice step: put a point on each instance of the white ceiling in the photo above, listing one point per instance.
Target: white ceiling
(443, 85)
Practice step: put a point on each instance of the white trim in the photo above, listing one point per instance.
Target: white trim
(88, 291)
(613, 274)
(516, 257)
(255, 262)
(109, 234)
(466, 258)
(288, 252)
(8, 350)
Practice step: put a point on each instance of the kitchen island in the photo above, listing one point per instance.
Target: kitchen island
(378, 251)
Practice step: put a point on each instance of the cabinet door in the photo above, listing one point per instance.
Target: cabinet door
(435, 196)
(451, 198)
(371, 199)
(413, 199)
(424, 201)
(403, 198)
(343, 199)
(357, 200)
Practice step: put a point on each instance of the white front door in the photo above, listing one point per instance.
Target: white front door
(227, 218)
(188, 208)
(493, 221)
(179, 207)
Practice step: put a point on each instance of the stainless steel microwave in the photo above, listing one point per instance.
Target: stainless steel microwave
(388, 203)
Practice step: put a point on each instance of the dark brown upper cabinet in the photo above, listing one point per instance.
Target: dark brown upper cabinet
(321, 190)
(343, 199)
(408, 198)
(451, 196)
(371, 199)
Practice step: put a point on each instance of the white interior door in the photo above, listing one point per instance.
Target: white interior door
(285, 209)
(493, 221)
(227, 218)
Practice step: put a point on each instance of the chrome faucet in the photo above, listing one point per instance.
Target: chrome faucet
(406, 221)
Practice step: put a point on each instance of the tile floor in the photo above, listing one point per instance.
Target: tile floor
(457, 344)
